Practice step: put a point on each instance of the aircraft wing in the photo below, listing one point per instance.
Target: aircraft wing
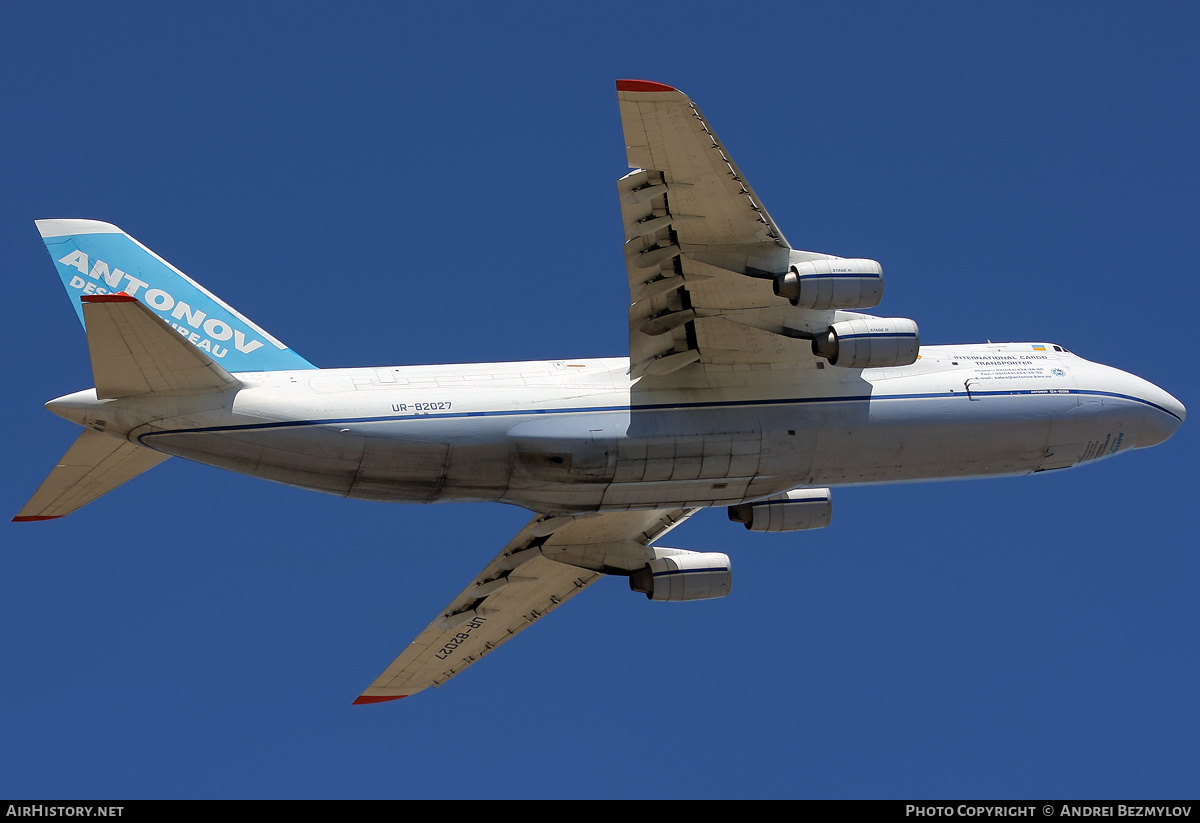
(552, 559)
(700, 248)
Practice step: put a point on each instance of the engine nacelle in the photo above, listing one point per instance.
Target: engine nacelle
(832, 284)
(787, 512)
(869, 343)
(676, 574)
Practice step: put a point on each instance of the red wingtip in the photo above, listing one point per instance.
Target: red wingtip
(364, 699)
(642, 85)
(119, 297)
(31, 518)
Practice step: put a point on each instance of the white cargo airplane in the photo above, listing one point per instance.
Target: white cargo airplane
(748, 384)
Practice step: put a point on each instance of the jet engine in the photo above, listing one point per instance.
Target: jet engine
(787, 512)
(676, 574)
(869, 343)
(832, 284)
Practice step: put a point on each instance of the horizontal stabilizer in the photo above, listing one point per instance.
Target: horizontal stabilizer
(94, 465)
(135, 352)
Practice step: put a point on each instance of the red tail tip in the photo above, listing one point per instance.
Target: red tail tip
(119, 297)
(364, 699)
(642, 85)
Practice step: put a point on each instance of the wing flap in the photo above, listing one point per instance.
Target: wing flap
(93, 466)
(551, 560)
(134, 352)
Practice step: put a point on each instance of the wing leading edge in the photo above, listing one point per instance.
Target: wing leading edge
(547, 563)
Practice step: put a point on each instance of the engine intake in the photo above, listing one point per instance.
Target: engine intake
(869, 343)
(791, 511)
(680, 575)
(832, 284)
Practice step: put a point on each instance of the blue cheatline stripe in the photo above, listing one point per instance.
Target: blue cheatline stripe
(712, 404)
(1088, 392)
(840, 275)
(878, 335)
(791, 502)
(692, 571)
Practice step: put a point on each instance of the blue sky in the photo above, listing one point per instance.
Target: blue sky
(383, 185)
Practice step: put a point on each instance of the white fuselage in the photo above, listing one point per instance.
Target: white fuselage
(572, 436)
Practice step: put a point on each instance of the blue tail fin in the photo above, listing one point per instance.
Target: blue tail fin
(98, 258)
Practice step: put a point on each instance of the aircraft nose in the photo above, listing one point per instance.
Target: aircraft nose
(1153, 414)
(1164, 414)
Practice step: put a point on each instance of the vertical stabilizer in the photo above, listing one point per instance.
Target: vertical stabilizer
(95, 258)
